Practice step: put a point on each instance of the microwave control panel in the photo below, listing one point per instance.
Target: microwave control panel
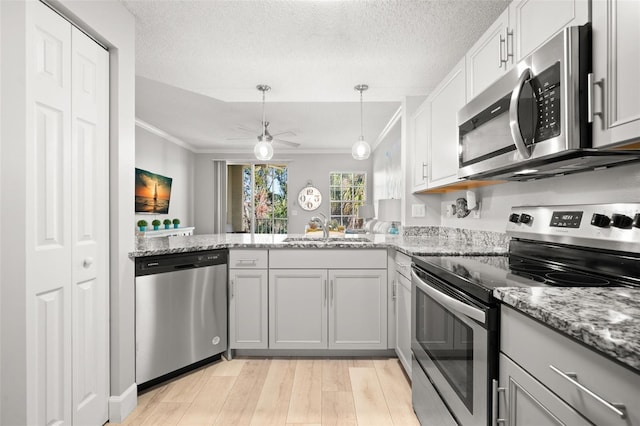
(546, 87)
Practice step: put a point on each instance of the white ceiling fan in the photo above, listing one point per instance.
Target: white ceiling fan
(263, 133)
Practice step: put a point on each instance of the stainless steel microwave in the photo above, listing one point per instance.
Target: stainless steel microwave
(534, 121)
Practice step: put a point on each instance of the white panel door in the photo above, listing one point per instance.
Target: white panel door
(534, 22)
(487, 59)
(90, 230)
(48, 172)
(442, 146)
(616, 69)
(420, 125)
(248, 308)
(358, 309)
(298, 308)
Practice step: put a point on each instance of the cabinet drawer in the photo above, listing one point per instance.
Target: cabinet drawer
(328, 259)
(403, 264)
(544, 353)
(248, 259)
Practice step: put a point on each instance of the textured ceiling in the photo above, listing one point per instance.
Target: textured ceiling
(308, 51)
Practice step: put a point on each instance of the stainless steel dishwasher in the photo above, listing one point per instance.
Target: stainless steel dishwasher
(181, 313)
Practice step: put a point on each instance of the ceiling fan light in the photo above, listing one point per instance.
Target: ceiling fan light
(361, 149)
(263, 151)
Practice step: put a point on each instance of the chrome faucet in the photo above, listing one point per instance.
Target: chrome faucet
(324, 224)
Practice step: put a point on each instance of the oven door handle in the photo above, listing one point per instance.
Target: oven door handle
(450, 302)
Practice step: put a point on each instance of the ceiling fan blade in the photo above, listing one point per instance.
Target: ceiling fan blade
(248, 130)
(288, 143)
(241, 139)
(288, 133)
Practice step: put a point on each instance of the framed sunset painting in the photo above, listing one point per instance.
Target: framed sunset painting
(153, 192)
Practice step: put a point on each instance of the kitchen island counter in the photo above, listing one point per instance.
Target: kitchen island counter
(410, 245)
(605, 319)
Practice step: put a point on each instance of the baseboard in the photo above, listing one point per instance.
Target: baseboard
(120, 406)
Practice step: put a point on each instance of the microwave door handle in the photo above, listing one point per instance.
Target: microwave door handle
(514, 124)
(450, 302)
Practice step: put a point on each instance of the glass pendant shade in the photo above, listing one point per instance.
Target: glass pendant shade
(361, 149)
(263, 150)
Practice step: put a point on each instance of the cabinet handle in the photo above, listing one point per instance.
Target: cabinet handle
(619, 409)
(393, 289)
(591, 99)
(495, 392)
(332, 290)
(509, 52)
(324, 291)
(424, 171)
(500, 52)
(249, 261)
(233, 284)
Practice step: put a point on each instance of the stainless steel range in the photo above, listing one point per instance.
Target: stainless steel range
(455, 316)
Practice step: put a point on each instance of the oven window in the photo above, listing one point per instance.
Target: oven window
(449, 343)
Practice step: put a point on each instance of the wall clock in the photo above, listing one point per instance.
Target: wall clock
(309, 198)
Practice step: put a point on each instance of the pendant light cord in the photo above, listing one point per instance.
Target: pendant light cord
(361, 117)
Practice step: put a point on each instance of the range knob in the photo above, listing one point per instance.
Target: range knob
(600, 220)
(525, 218)
(636, 220)
(621, 221)
(514, 218)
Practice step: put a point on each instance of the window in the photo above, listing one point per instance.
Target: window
(347, 192)
(269, 203)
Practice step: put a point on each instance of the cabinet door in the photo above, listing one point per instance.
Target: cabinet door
(248, 295)
(526, 402)
(483, 60)
(403, 322)
(420, 125)
(298, 308)
(442, 147)
(358, 309)
(616, 67)
(534, 22)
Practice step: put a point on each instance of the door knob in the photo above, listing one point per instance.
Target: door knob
(87, 262)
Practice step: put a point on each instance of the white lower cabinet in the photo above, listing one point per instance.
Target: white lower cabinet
(320, 309)
(402, 309)
(344, 307)
(298, 309)
(248, 299)
(547, 378)
(248, 309)
(527, 402)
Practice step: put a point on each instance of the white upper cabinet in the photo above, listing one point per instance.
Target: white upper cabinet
(420, 125)
(523, 27)
(616, 72)
(442, 143)
(533, 22)
(486, 60)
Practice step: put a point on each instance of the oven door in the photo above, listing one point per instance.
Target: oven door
(453, 344)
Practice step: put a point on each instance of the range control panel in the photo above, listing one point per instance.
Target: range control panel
(608, 226)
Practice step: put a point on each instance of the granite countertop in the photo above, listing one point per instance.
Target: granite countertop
(606, 319)
(410, 245)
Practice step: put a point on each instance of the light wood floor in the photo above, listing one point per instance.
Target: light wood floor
(362, 392)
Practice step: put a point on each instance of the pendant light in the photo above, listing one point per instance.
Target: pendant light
(263, 149)
(361, 149)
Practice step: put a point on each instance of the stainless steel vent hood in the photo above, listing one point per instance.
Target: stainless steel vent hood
(564, 163)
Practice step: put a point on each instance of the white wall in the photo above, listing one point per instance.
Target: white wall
(157, 155)
(302, 168)
(618, 184)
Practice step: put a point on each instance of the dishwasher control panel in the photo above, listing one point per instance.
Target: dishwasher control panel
(175, 262)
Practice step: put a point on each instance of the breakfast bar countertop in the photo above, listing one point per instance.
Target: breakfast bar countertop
(410, 245)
